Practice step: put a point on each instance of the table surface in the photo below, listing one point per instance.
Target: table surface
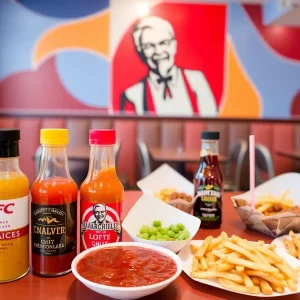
(173, 155)
(68, 287)
(290, 154)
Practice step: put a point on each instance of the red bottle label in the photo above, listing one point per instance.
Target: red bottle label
(99, 224)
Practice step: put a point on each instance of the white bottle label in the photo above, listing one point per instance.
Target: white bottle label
(14, 220)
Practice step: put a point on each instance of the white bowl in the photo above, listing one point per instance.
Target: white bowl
(148, 209)
(127, 292)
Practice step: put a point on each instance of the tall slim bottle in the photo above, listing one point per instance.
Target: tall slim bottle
(53, 208)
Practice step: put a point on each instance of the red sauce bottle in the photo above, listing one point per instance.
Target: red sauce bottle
(53, 208)
(208, 183)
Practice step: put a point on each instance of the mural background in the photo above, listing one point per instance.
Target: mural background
(58, 55)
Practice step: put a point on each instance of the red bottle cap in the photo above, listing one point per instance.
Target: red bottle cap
(102, 136)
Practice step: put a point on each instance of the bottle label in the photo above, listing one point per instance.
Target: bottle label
(209, 197)
(13, 218)
(100, 224)
(53, 228)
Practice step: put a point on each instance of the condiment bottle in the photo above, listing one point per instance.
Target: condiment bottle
(53, 208)
(101, 194)
(14, 221)
(208, 183)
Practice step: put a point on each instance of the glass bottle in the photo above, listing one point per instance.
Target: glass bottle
(101, 194)
(14, 221)
(208, 183)
(53, 208)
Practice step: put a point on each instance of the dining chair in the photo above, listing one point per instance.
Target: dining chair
(145, 158)
(264, 168)
(234, 166)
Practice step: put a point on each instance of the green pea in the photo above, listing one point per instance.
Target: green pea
(166, 237)
(153, 231)
(153, 238)
(180, 226)
(181, 237)
(176, 235)
(146, 236)
(156, 223)
(186, 234)
(171, 233)
(139, 235)
(159, 235)
(144, 229)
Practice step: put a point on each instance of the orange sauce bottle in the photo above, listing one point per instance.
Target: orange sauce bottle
(101, 194)
(53, 208)
(14, 221)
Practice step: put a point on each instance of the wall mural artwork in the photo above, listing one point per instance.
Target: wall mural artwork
(210, 60)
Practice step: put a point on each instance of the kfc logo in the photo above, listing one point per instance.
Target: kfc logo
(7, 208)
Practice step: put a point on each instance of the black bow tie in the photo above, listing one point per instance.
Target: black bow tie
(167, 90)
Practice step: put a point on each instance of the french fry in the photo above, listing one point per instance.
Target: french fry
(202, 249)
(265, 287)
(231, 285)
(289, 245)
(224, 267)
(203, 263)
(245, 263)
(277, 289)
(269, 253)
(256, 273)
(285, 268)
(264, 207)
(273, 279)
(292, 285)
(215, 274)
(255, 280)
(195, 264)
(193, 248)
(240, 268)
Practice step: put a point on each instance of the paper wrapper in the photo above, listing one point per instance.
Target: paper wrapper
(279, 224)
(274, 226)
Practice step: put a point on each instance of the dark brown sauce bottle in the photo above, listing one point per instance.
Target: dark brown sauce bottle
(208, 183)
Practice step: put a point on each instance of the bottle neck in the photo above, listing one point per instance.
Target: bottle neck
(9, 164)
(101, 158)
(54, 162)
(209, 147)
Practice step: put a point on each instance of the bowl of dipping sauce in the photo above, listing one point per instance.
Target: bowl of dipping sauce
(126, 270)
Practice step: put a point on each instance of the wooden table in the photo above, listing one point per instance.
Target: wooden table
(160, 155)
(290, 154)
(68, 287)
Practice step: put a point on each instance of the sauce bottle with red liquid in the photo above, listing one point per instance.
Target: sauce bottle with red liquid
(53, 208)
(101, 194)
(208, 183)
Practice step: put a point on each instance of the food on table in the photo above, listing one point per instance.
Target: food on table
(168, 194)
(208, 182)
(101, 194)
(14, 222)
(292, 245)
(159, 233)
(270, 205)
(54, 208)
(126, 266)
(242, 266)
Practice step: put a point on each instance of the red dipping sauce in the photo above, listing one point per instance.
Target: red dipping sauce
(126, 266)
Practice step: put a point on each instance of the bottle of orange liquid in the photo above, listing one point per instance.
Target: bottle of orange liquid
(14, 223)
(53, 208)
(101, 194)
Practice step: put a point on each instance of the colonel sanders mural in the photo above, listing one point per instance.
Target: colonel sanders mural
(167, 89)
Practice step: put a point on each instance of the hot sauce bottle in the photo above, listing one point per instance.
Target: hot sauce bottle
(208, 183)
(53, 208)
(14, 221)
(101, 194)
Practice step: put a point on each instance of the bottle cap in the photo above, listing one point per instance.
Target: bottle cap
(102, 137)
(54, 136)
(210, 135)
(9, 142)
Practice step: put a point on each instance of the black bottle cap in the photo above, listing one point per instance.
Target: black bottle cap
(210, 135)
(9, 142)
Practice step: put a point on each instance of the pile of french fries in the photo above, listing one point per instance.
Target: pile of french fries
(292, 246)
(270, 205)
(168, 194)
(242, 266)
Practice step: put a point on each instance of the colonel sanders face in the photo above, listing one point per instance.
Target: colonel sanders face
(155, 42)
(100, 212)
